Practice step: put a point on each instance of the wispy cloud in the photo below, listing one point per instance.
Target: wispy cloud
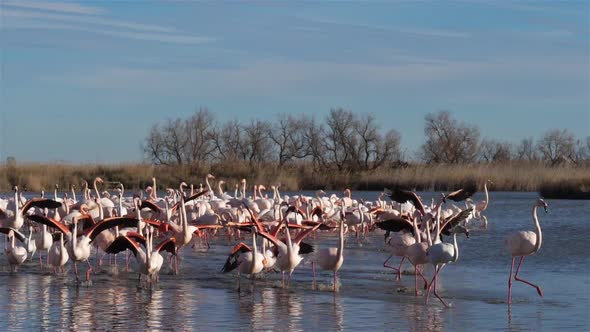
(137, 35)
(92, 20)
(405, 30)
(64, 7)
(27, 19)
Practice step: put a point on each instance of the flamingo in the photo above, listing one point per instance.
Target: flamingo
(288, 257)
(483, 205)
(16, 254)
(57, 255)
(14, 218)
(79, 247)
(331, 258)
(150, 260)
(400, 240)
(416, 252)
(247, 260)
(525, 243)
(43, 241)
(439, 254)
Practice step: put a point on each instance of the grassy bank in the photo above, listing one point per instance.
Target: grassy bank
(507, 177)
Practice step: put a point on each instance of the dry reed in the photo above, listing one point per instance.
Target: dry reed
(515, 176)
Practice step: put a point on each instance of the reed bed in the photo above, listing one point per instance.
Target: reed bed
(301, 176)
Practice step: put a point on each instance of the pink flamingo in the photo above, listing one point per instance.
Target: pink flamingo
(524, 243)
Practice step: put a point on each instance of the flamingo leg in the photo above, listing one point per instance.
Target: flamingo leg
(239, 279)
(423, 278)
(526, 282)
(76, 270)
(88, 271)
(416, 278)
(510, 282)
(41, 260)
(399, 273)
(313, 285)
(435, 292)
(430, 284)
(335, 280)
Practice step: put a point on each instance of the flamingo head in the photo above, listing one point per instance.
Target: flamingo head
(15, 188)
(261, 187)
(99, 180)
(543, 204)
(210, 176)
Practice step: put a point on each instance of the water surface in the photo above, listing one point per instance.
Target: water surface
(201, 298)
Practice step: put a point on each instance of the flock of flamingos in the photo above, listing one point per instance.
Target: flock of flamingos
(67, 229)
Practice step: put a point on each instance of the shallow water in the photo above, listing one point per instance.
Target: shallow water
(201, 298)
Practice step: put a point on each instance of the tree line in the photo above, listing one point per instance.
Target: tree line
(345, 142)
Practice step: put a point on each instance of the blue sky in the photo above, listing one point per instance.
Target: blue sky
(84, 81)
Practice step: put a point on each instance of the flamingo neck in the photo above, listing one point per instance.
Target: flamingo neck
(341, 244)
(428, 235)
(219, 189)
(456, 247)
(75, 233)
(55, 194)
(96, 190)
(289, 243)
(254, 248)
(485, 187)
(208, 185)
(537, 230)
(416, 231)
(16, 208)
(254, 192)
(243, 189)
(138, 213)
(154, 191)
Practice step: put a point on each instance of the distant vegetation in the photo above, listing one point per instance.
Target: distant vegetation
(345, 150)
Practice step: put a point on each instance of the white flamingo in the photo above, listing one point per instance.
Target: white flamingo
(525, 243)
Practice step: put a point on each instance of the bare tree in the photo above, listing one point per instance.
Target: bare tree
(229, 141)
(340, 139)
(526, 150)
(258, 144)
(167, 144)
(372, 148)
(314, 134)
(492, 151)
(582, 150)
(556, 146)
(288, 136)
(199, 134)
(448, 141)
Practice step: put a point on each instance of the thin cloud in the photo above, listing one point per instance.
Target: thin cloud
(17, 19)
(406, 30)
(148, 36)
(85, 20)
(64, 7)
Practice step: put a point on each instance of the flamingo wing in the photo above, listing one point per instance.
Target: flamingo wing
(454, 220)
(232, 261)
(262, 231)
(41, 203)
(20, 236)
(150, 205)
(123, 243)
(305, 248)
(464, 193)
(168, 245)
(402, 196)
(122, 222)
(50, 223)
